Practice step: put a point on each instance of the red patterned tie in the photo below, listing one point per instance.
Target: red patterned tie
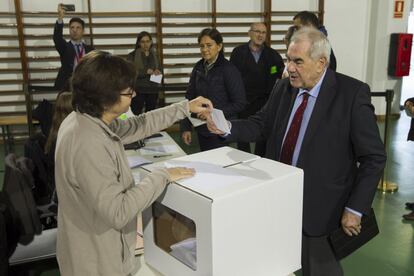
(80, 51)
(292, 135)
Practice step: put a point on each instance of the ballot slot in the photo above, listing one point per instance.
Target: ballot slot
(175, 234)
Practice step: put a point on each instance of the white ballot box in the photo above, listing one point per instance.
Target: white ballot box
(239, 215)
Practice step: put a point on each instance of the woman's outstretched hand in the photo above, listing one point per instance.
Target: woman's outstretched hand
(178, 173)
(200, 104)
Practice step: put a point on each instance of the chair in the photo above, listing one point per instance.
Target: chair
(17, 187)
(26, 220)
(9, 234)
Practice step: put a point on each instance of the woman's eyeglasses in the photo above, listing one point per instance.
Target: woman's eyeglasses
(130, 94)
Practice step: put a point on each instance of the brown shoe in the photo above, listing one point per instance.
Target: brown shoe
(409, 216)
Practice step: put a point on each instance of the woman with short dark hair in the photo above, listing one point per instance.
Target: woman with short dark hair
(98, 199)
(217, 79)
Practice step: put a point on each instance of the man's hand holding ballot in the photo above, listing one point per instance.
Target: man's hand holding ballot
(217, 123)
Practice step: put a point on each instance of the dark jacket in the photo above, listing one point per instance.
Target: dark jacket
(143, 83)
(222, 85)
(411, 131)
(18, 183)
(44, 114)
(9, 232)
(342, 154)
(258, 78)
(44, 168)
(67, 56)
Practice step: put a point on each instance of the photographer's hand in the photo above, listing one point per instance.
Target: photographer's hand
(61, 12)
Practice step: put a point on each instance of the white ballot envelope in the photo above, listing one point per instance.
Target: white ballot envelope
(156, 78)
(196, 122)
(220, 121)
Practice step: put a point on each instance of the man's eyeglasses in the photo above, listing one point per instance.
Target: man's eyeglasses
(130, 94)
(259, 32)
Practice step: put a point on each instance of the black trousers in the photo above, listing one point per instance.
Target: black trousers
(318, 258)
(147, 100)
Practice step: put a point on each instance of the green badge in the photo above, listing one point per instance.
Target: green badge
(123, 117)
(273, 70)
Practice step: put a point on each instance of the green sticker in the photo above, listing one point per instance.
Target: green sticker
(273, 70)
(123, 117)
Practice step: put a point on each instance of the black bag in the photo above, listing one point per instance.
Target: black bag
(343, 245)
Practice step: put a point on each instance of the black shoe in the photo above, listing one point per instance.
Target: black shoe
(409, 216)
(409, 205)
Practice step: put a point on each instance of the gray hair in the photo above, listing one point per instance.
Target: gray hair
(255, 24)
(319, 43)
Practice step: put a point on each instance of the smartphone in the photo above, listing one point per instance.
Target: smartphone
(69, 7)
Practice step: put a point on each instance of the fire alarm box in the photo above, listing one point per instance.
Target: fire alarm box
(400, 54)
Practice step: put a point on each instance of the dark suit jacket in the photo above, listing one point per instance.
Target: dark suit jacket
(342, 131)
(67, 56)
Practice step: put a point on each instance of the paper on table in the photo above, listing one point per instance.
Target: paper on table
(156, 78)
(136, 161)
(220, 121)
(137, 177)
(151, 150)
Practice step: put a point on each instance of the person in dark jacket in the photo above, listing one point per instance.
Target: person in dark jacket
(217, 79)
(308, 19)
(260, 67)
(322, 122)
(70, 52)
(147, 63)
(409, 109)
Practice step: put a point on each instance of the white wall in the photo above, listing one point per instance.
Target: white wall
(359, 31)
(347, 25)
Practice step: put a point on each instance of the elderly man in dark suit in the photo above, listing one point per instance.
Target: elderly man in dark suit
(70, 52)
(323, 122)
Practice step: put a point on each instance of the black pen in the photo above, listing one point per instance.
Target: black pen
(164, 155)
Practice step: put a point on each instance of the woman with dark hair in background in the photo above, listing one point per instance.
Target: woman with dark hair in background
(217, 79)
(98, 199)
(147, 63)
(63, 107)
(40, 148)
